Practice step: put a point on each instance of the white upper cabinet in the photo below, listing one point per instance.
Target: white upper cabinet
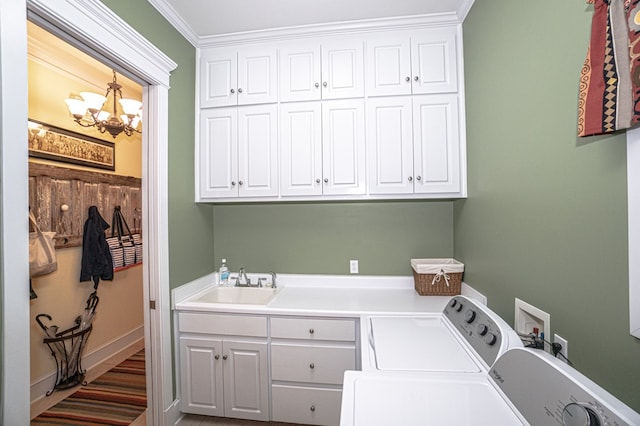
(238, 153)
(390, 145)
(230, 76)
(437, 156)
(421, 62)
(322, 148)
(327, 70)
(345, 111)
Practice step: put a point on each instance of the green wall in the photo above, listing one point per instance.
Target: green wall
(321, 238)
(190, 225)
(546, 215)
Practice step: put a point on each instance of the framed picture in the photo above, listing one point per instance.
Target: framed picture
(52, 143)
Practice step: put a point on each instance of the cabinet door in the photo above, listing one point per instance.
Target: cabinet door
(218, 154)
(388, 66)
(218, 78)
(246, 380)
(436, 144)
(389, 146)
(201, 376)
(343, 147)
(300, 72)
(300, 149)
(257, 151)
(257, 76)
(342, 69)
(434, 58)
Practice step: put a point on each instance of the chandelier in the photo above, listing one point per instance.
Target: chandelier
(87, 111)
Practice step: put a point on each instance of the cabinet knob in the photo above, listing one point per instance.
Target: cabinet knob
(217, 356)
(240, 183)
(317, 85)
(233, 91)
(326, 180)
(225, 357)
(312, 408)
(410, 178)
(312, 366)
(233, 183)
(407, 78)
(240, 88)
(324, 84)
(311, 331)
(415, 78)
(318, 180)
(419, 177)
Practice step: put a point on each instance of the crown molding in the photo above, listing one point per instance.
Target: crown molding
(330, 29)
(170, 14)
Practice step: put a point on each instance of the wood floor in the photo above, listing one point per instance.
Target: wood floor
(44, 403)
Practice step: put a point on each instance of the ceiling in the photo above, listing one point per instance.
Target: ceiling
(197, 19)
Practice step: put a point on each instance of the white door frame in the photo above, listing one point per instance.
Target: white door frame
(98, 29)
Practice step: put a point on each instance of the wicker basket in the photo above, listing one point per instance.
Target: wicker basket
(437, 277)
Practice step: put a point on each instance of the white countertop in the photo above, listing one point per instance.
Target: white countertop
(349, 296)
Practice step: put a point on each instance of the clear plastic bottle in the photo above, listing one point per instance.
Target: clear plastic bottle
(224, 273)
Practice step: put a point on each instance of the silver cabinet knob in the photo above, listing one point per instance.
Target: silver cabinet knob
(312, 408)
(415, 78)
(317, 85)
(326, 180)
(233, 183)
(407, 78)
(240, 183)
(233, 91)
(419, 177)
(240, 89)
(311, 331)
(324, 84)
(217, 356)
(312, 366)
(318, 180)
(410, 178)
(225, 357)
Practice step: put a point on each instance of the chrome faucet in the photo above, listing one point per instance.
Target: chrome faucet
(241, 274)
(273, 279)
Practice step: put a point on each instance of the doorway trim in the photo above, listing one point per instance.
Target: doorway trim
(93, 27)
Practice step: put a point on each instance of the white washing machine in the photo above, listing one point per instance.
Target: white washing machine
(466, 337)
(465, 367)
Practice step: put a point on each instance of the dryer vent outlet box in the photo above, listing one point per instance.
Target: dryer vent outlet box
(528, 317)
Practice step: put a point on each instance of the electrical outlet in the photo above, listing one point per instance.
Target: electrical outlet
(528, 317)
(353, 266)
(565, 348)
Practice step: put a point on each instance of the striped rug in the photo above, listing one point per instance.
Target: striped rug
(118, 397)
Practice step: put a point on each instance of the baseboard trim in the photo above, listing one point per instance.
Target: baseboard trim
(42, 385)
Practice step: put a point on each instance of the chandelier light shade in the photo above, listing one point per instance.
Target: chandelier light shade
(87, 111)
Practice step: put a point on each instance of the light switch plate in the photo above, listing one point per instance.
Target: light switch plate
(353, 266)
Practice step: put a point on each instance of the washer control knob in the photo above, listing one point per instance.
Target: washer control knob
(575, 414)
(453, 303)
(469, 316)
(482, 329)
(459, 307)
(490, 339)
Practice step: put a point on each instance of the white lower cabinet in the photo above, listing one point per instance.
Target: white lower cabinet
(233, 366)
(224, 376)
(308, 361)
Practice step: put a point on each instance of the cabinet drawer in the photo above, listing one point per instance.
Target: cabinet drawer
(306, 405)
(311, 364)
(234, 325)
(316, 329)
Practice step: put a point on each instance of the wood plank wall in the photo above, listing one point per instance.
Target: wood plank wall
(51, 187)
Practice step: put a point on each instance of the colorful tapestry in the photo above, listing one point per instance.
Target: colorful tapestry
(610, 82)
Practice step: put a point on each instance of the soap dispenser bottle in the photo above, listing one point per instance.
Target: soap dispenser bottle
(224, 273)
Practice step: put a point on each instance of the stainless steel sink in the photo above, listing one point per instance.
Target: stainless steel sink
(238, 295)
